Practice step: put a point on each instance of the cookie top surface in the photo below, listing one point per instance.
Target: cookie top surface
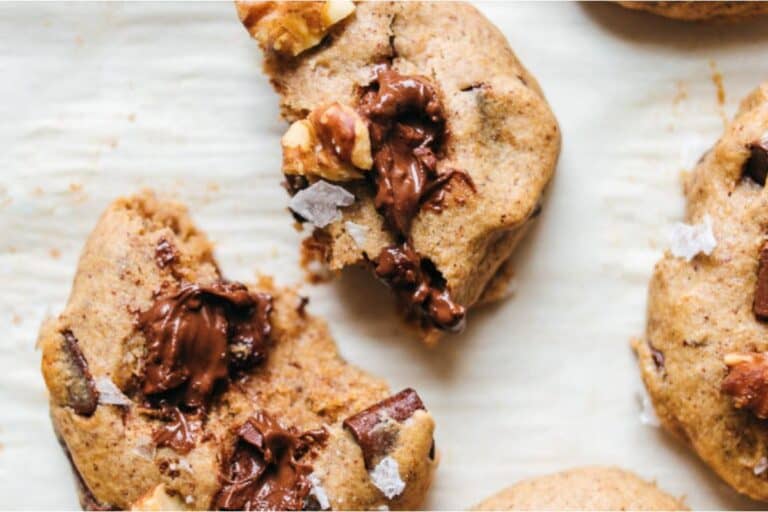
(499, 131)
(152, 418)
(702, 11)
(588, 488)
(701, 359)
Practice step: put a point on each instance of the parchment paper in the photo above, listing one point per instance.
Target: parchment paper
(100, 100)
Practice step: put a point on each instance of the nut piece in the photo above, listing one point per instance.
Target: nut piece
(158, 499)
(747, 382)
(291, 27)
(332, 143)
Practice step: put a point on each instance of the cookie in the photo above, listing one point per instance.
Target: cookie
(173, 388)
(588, 488)
(419, 146)
(702, 11)
(702, 358)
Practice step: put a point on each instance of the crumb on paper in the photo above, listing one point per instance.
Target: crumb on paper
(386, 477)
(681, 92)
(75, 187)
(55, 253)
(717, 80)
(109, 393)
(686, 240)
(319, 492)
(16, 319)
(320, 203)
(358, 232)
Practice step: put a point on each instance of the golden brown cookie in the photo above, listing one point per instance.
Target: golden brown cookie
(702, 10)
(702, 359)
(419, 145)
(588, 488)
(172, 388)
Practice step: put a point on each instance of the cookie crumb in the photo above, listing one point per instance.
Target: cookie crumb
(688, 240)
(386, 477)
(319, 204)
(55, 253)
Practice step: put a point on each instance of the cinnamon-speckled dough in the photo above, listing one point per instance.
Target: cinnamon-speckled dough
(589, 488)
(702, 11)
(701, 310)
(502, 132)
(303, 383)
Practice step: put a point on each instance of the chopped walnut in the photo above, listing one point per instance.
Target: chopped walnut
(747, 381)
(291, 27)
(332, 143)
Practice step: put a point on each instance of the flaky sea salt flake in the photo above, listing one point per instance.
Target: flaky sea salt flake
(760, 467)
(319, 493)
(358, 232)
(386, 477)
(686, 240)
(320, 203)
(109, 393)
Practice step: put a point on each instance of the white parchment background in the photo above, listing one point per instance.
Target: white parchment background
(99, 100)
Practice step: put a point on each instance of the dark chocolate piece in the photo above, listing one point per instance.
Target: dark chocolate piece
(165, 253)
(366, 426)
(266, 470)
(760, 303)
(82, 394)
(198, 336)
(179, 434)
(419, 287)
(756, 166)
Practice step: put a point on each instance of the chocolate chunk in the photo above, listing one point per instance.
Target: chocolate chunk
(165, 253)
(369, 427)
(81, 388)
(407, 129)
(198, 336)
(419, 287)
(179, 434)
(266, 469)
(294, 183)
(756, 166)
(747, 382)
(760, 303)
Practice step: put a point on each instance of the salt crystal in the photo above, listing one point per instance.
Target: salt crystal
(386, 477)
(185, 465)
(145, 448)
(358, 233)
(760, 467)
(109, 393)
(319, 493)
(687, 240)
(647, 412)
(320, 203)
(189, 499)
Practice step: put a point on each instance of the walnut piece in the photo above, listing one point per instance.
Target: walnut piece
(747, 381)
(291, 27)
(332, 143)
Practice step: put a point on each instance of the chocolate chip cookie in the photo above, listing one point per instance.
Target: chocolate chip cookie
(173, 388)
(589, 488)
(702, 11)
(703, 356)
(419, 145)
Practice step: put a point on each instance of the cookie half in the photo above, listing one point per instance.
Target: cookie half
(702, 11)
(702, 359)
(419, 146)
(588, 488)
(173, 388)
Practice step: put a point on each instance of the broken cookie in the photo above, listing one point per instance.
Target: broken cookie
(174, 388)
(447, 156)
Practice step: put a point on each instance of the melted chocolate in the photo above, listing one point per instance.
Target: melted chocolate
(760, 304)
(165, 253)
(265, 471)
(407, 127)
(756, 166)
(419, 287)
(365, 426)
(197, 336)
(179, 434)
(82, 394)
